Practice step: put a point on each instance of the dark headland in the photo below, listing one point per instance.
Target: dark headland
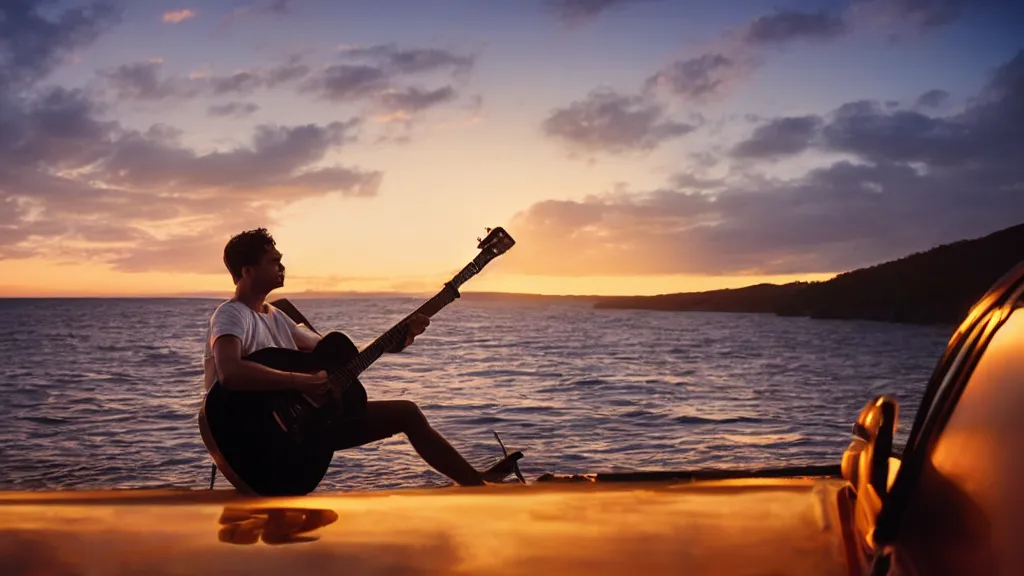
(933, 287)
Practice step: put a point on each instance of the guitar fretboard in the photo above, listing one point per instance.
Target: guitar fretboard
(397, 333)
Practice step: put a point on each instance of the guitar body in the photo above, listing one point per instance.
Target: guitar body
(278, 443)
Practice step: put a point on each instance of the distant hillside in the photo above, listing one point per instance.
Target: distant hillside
(757, 298)
(933, 287)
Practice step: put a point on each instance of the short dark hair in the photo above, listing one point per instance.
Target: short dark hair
(246, 249)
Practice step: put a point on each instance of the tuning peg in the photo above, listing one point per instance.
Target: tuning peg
(488, 230)
(479, 239)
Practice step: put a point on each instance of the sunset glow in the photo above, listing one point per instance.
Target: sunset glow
(629, 147)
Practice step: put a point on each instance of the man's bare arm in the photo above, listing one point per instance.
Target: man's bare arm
(305, 338)
(237, 374)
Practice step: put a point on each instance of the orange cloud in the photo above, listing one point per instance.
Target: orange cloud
(392, 117)
(178, 16)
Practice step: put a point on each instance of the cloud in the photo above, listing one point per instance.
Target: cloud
(197, 253)
(914, 181)
(58, 129)
(932, 99)
(178, 16)
(786, 26)
(146, 81)
(830, 220)
(780, 137)
(347, 82)
(611, 122)
(142, 81)
(709, 75)
(394, 60)
(233, 109)
(695, 78)
(138, 180)
(688, 180)
(237, 83)
(251, 80)
(577, 11)
(60, 132)
(376, 74)
(31, 46)
(76, 185)
(924, 13)
(698, 79)
(865, 129)
(271, 7)
(275, 161)
(988, 132)
(416, 99)
(703, 159)
(284, 73)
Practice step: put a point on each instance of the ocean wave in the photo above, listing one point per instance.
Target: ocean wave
(717, 421)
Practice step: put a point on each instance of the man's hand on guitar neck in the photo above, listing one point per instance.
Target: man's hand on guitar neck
(417, 325)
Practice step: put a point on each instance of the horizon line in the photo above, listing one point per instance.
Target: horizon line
(317, 294)
(306, 294)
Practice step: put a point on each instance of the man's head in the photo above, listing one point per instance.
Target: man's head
(252, 258)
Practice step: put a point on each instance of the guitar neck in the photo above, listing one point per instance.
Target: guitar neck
(496, 243)
(435, 304)
(397, 333)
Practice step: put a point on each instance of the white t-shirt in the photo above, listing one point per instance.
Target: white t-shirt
(256, 330)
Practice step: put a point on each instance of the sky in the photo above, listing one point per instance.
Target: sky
(629, 146)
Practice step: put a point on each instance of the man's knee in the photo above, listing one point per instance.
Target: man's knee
(412, 416)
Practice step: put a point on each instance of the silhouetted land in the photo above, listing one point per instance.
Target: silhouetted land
(933, 287)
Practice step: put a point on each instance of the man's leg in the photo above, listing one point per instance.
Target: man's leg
(385, 418)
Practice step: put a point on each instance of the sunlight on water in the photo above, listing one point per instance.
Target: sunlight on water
(104, 393)
(764, 439)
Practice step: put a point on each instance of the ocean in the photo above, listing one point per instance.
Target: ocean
(103, 393)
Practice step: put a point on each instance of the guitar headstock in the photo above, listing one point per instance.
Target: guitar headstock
(496, 243)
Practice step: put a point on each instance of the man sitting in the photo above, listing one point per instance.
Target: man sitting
(246, 323)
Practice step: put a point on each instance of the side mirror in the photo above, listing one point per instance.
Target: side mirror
(866, 462)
